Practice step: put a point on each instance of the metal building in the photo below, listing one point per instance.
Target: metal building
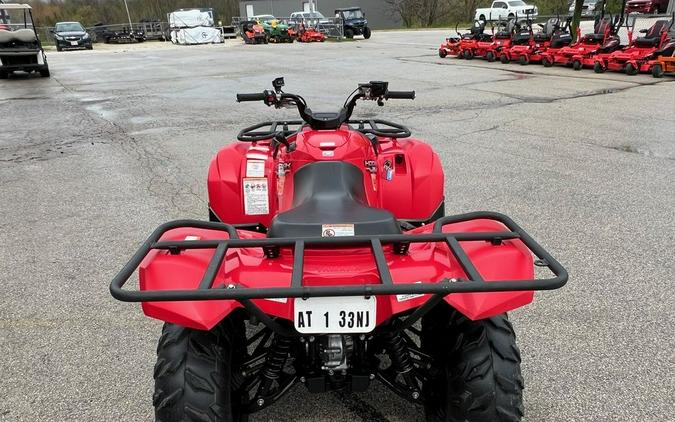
(379, 14)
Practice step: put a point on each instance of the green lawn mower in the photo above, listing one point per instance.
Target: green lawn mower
(277, 31)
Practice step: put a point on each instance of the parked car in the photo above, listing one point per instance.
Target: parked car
(71, 36)
(262, 18)
(20, 46)
(503, 9)
(313, 19)
(589, 7)
(646, 6)
(353, 22)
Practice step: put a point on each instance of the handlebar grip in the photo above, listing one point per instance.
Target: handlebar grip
(400, 95)
(260, 96)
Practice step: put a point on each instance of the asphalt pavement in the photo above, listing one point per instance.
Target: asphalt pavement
(119, 140)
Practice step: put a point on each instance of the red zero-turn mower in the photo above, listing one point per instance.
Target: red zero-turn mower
(640, 55)
(468, 44)
(450, 47)
(502, 39)
(304, 33)
(561, 38)
(539, 42)
(588, 44)
(336, 267)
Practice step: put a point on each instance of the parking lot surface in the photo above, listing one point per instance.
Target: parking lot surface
(118, 141)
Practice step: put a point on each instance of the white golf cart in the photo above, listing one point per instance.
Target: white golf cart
(20, 47)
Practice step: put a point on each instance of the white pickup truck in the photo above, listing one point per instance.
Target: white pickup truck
(507, 9)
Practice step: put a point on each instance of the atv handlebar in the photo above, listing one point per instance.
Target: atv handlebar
(259, 96)
(400, 95)
(374, 90)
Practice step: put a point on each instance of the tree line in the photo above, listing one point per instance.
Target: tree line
(92, 12)
(413, 13)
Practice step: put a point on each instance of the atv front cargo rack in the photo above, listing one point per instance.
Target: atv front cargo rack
(473, 283)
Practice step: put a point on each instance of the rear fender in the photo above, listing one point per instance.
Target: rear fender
(511, 260)
(162, 271)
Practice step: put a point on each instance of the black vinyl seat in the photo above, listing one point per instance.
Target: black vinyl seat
(653, 35)
(327, 193)
(561, 40)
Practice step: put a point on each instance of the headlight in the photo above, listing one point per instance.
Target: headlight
(86, 36)
(58, 37)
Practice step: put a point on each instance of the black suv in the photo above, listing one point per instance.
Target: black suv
(354, 22)
(71, 35)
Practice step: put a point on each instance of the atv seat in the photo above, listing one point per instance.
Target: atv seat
(331, 193)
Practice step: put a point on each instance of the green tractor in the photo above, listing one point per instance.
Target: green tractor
(277, 31)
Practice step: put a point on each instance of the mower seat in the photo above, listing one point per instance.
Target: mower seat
(647, 42)
(593, 38)
(522, 38)
(653, 35)
(561, 40)
(331, 193)
(541, 37)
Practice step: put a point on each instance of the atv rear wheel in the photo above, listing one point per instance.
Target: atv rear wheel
(576, 65)
(349, 33)
(478, 362)
(194, 371)
(546, 62)
(523, 60)
(504, 59)
(468, 54)
(490, 56)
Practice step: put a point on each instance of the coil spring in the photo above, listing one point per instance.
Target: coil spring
(398, 352)
(276, 358)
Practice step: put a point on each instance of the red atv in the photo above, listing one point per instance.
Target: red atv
(336, 268)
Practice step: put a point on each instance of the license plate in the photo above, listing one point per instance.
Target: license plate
(353, 314)
(73, 43)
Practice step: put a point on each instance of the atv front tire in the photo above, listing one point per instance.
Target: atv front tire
(194, 371)
(478, 376)
(366, 33)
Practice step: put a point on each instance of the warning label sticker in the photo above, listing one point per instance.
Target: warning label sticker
(337, 230)
(255, 168)
(256, 198)
(409, 296)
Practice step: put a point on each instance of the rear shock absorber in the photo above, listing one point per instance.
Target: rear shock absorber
(274, 364)
(400, 360)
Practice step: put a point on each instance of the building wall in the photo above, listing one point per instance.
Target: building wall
(377, 12)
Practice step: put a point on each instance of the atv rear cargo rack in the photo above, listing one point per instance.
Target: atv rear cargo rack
(473, 283)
